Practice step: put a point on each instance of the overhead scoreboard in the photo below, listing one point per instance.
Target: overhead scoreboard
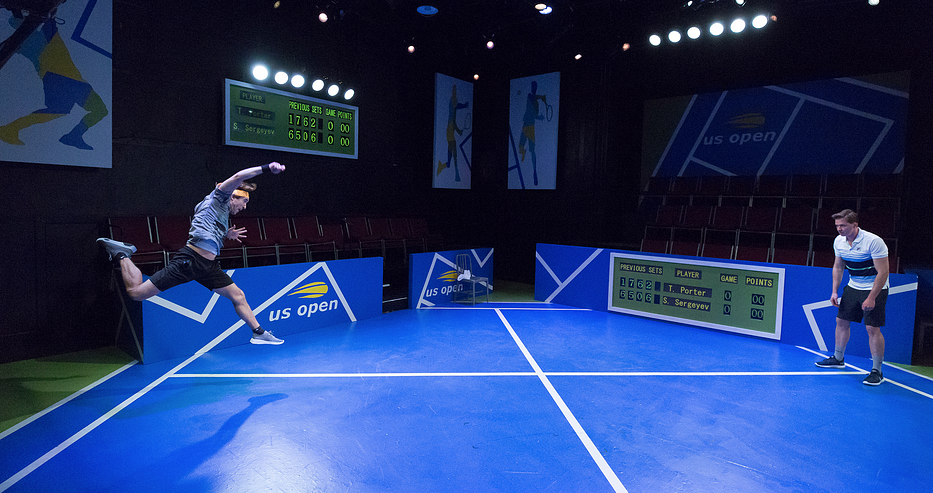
(746, 299)
(267, 118)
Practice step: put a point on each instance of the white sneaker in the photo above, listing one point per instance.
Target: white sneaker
(113, 247)
(265, 338)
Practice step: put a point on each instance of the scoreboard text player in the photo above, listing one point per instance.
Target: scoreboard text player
(747, 299)
(268, 118)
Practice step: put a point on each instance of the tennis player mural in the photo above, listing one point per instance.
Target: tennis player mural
(453, 132)
(59, 117)
(533, 107)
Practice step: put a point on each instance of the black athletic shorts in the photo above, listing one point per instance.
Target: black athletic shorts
(850, 307)
(188, 265)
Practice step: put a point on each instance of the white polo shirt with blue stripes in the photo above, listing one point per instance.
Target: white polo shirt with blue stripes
(858, 258)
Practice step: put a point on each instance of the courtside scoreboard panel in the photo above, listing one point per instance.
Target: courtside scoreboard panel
(267, 118)
(742, 298)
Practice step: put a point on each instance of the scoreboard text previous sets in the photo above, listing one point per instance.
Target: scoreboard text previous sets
(747, 299)
(268, 118)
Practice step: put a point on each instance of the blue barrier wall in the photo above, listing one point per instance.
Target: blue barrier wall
(580, 276)
(432, 276)
(286, 299)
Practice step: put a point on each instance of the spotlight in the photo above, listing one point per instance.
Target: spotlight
(411, 48)
(427, 10)
(674, 36)
(737, 26)
(578, 56)
(654, 39)
(277, 4)
(760, 21)
(333, 90)
(490, 45)
(693, 32)
(317, 85)
(626, 46)
(281, 77)
(298, 80)
(740, 2)
(322, 17)
(260, 72)
(546, 10)
(872, 2)
(716, 28)
(475, 76)
(348, 95)
(540, 6)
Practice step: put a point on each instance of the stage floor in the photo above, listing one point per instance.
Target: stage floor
(511, 397)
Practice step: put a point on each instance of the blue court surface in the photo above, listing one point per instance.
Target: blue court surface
(501, 397)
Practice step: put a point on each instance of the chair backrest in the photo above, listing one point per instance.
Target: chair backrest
(173, 231)
(307, 229)
(464, 263)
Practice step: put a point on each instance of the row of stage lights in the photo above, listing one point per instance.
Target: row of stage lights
(715, 29)
(261, 73)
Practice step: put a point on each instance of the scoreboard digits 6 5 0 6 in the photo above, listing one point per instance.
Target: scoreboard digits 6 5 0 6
(272, 119)
(738, 298)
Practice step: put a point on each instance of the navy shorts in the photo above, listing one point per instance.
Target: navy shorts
(850, 307)
(187, 266)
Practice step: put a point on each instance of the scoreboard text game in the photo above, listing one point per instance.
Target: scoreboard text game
(268, 118)
(746, 299)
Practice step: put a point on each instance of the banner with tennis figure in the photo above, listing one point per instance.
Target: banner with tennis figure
(453, 132)
(534, 104)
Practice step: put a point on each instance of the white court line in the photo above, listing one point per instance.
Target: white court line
(581, 433)
(64, 401)
(886, 379)
(527, 374)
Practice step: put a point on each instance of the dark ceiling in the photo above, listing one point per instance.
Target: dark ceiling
(597, 27)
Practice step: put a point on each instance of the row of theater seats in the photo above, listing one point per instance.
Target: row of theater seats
(828, 186)
(753, 246)
(881, 218)
(280, 240)
(779, 219)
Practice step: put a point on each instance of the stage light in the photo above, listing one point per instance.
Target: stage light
(475, 76)
(693, 32)
(260, 72)
(540, 6)
(348, 95)
(578, 56)
(674, 36)
(490, 45)
(322, 17)
(546, 10)
(427, 10)
(411, 48)
(737, 26)
(277, 4)
(317, 85)
(298, 80)
(333, 90)
(872, 2)
(281, 77)
(740, 2)
(760, 21)
(626, 46)
(654, 39)
(716, 28)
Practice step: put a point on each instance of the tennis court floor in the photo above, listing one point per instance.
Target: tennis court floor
(510, 397)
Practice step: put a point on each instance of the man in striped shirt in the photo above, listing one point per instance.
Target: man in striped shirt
(865, 256)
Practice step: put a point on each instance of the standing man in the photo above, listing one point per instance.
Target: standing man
(196, 261)
(865, 256)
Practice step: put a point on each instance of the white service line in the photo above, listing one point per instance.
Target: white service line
(123, 405)
(64, 401)
(581, 433)
(886, 379)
